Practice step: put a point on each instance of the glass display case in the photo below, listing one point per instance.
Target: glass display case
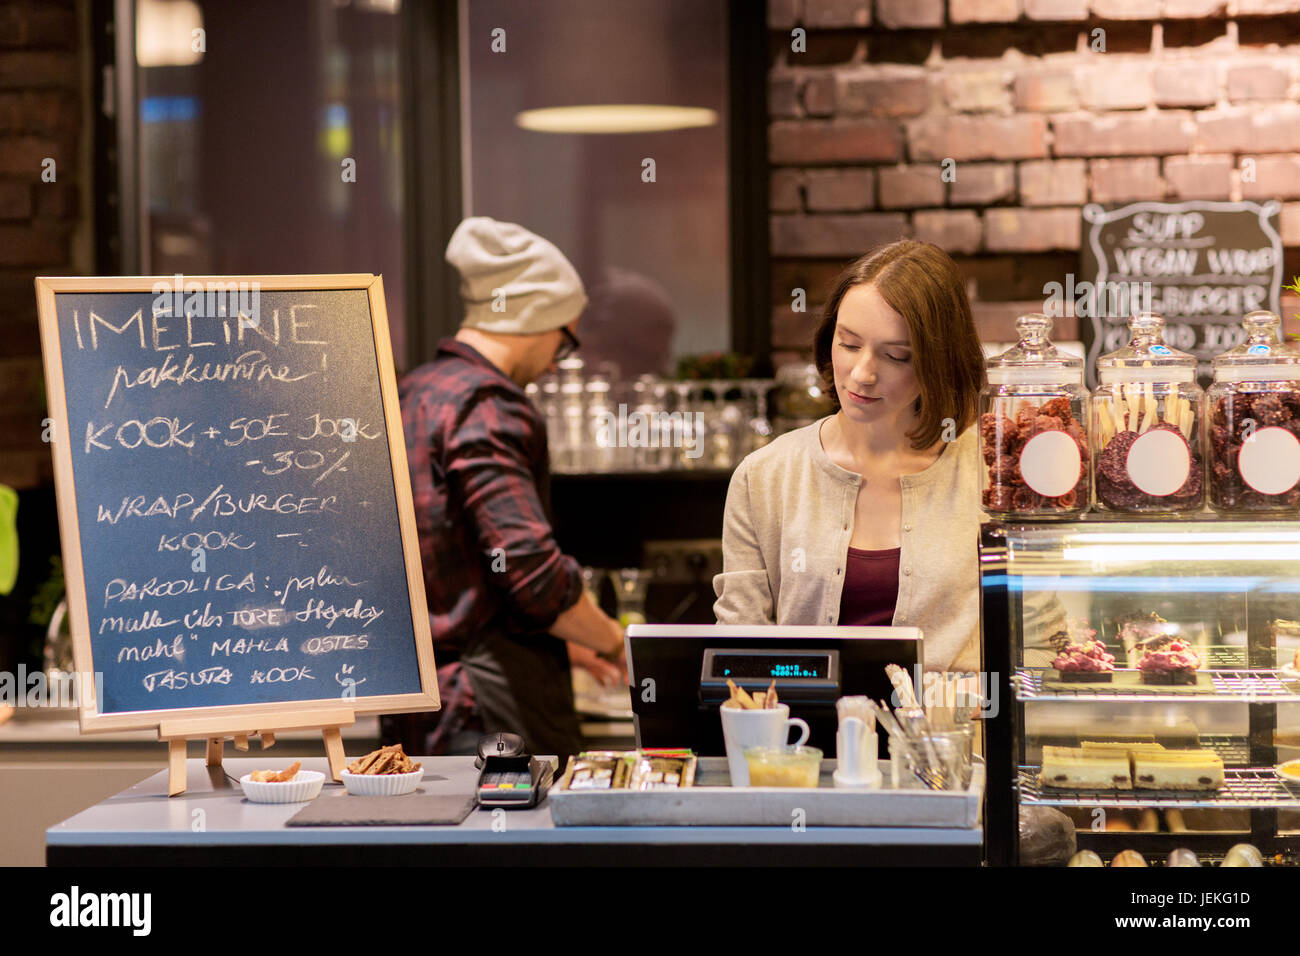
(1146, 684)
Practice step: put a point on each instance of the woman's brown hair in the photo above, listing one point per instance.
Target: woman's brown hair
(922, 284)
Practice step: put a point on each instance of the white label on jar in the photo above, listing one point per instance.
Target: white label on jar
(1269, 461)
(1050, 463)
(1159, 463)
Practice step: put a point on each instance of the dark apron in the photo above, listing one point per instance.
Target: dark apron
(522, 685)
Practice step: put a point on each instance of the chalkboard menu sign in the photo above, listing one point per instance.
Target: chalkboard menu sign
(1201, 264)
(234, 502)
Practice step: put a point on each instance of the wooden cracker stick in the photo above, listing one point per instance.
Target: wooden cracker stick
(1105, 425)
(741, 696)
(771, 695)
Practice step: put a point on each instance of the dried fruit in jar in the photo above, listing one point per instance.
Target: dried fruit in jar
(1236, 417)
(1003, 440)
(1116, 488)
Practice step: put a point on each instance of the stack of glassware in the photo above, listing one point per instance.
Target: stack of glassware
(595, 424)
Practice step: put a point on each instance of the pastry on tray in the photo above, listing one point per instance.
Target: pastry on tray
(1079, 657)
(1168, 660)
(1128, 747)
(1086, 663)
(1072, 768)
(1178, 770)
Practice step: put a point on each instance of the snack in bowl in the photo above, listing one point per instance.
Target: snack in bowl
(292, 785)
(276, 776)
(742, 699)
(386, 772)
(384, 760)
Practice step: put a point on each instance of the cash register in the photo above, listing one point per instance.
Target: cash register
(679, 673)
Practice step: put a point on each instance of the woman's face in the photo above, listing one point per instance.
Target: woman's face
(871, 356)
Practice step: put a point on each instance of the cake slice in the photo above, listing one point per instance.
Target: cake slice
(1178, 770)
(1077, 769)
(1168, 661)
(1128, 747)
(1089, 662)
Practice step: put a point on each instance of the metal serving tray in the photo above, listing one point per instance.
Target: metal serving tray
(713, 802)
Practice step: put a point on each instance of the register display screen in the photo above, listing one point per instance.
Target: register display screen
(776, 666)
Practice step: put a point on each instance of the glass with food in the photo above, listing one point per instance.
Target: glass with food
(1033, 428)
(789, 766)
(630, 586)
(1253, 423)
(1146, 425)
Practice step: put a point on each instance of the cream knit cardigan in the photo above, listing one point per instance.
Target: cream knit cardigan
(786, 532)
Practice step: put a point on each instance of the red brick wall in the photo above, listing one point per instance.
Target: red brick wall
(41, 99)
(1036, 121)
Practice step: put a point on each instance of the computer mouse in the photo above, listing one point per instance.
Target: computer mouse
(500, 744)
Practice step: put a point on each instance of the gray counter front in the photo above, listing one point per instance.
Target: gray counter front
(211, 824)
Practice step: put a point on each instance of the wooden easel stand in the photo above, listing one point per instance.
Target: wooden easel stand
(216, 730)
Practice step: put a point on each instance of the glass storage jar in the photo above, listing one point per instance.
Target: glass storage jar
(1146, 419)
(800, 397)
(1033, 432)
(1253, 423)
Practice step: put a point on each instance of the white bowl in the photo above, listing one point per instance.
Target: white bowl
(381, 784)
(305, 786)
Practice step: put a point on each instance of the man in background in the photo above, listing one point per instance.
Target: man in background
(503, 600)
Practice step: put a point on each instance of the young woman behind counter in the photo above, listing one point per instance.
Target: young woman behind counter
(871, 515)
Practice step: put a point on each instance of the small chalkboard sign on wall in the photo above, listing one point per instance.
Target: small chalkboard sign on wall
(1204, 263)
(234, 503)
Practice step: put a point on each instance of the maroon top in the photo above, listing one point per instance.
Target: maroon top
(870, 588)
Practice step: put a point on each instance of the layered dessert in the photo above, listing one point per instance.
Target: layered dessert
(1127, 747)
(1122, 765)
(1178, 770)
(1168, 660)
(1070, 768)
(1088, 662)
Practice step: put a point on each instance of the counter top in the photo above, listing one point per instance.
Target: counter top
(213, 823)
(50, 729)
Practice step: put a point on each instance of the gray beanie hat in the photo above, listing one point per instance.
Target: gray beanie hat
(513, 281)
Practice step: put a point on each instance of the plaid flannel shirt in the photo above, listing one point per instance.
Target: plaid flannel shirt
(480, 479)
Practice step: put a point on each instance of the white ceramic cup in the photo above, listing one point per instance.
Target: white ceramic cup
(766, 727)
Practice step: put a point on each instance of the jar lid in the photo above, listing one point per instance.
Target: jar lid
(1034, 360)
(1146, 358)
(1263, 356)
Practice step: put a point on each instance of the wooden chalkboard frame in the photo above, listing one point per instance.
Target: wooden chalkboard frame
(239, 720)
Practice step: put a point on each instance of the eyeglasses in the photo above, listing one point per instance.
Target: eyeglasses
(568, 346)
